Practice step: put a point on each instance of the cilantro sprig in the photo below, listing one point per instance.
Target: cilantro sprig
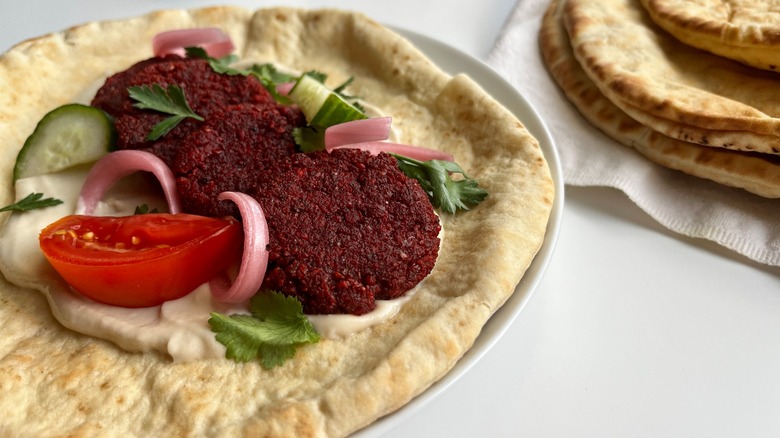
(32, 201)
(309, 138)
(219, 65)
(276, 327)
(339, 89)
(435, 177)
(170, 100)
(267, 74)
(271, 77)
(144, 209)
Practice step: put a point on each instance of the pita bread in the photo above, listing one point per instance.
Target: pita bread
(639, 67)
(747, 31)
(734, 140)
(759, 174)
(58, 382)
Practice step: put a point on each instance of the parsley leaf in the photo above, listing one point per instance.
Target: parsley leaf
(339, 90)
(309, 138)
(270, 77)
(31, 202)
(219, 65)
(318, 75)
(444, 192)
(267, 74)
(351, 99)
(276, 327)
(169, 101)
(144, 209)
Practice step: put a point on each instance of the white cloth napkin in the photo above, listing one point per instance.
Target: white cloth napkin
(745, 223)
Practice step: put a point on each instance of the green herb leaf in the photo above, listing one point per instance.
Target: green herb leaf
(144, 209)
(351, 99)
(219, 65)
(435, 177)
(270, 77)
(267, 74)
(196, 52)
(339, 90)
(318, 75)
(272, 333)
(240, 334)
(31, 202)
(169, 101)
(309, 138)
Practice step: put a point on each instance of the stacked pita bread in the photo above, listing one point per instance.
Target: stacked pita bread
(747, 31)
(680, 107)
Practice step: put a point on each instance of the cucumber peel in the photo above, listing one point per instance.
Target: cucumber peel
(322, 106)
(67, 136)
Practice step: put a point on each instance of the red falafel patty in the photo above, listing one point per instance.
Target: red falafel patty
(232, 152)
(346, 228)
(206, 91)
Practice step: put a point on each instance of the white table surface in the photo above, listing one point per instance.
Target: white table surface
(633, 331)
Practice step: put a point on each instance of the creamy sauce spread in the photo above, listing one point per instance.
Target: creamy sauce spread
(177, 328)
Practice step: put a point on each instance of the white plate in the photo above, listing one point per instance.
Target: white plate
(454, 61)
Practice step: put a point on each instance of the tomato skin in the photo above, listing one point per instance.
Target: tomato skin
(141, 260)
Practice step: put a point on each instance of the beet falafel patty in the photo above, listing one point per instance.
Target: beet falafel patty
(207, 92)
(346, 228)
(232, 152)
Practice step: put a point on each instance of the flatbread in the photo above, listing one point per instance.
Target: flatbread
(734, 140)
(759, 174)
(58, 382)
(747, 31)
(638, 66)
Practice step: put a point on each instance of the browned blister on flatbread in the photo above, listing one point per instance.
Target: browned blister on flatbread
(759, 174)
(58, 382)
(747, 31)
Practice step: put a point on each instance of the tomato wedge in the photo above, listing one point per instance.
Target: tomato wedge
(141, 260)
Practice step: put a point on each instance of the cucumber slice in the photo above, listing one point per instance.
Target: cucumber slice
(66, 136)
(321, 105)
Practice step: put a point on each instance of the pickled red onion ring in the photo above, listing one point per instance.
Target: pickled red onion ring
(213, 40)
(284, 88)
(416, 152)
(254, 261)
(119, 164)
(369, 135)
(358, 131)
